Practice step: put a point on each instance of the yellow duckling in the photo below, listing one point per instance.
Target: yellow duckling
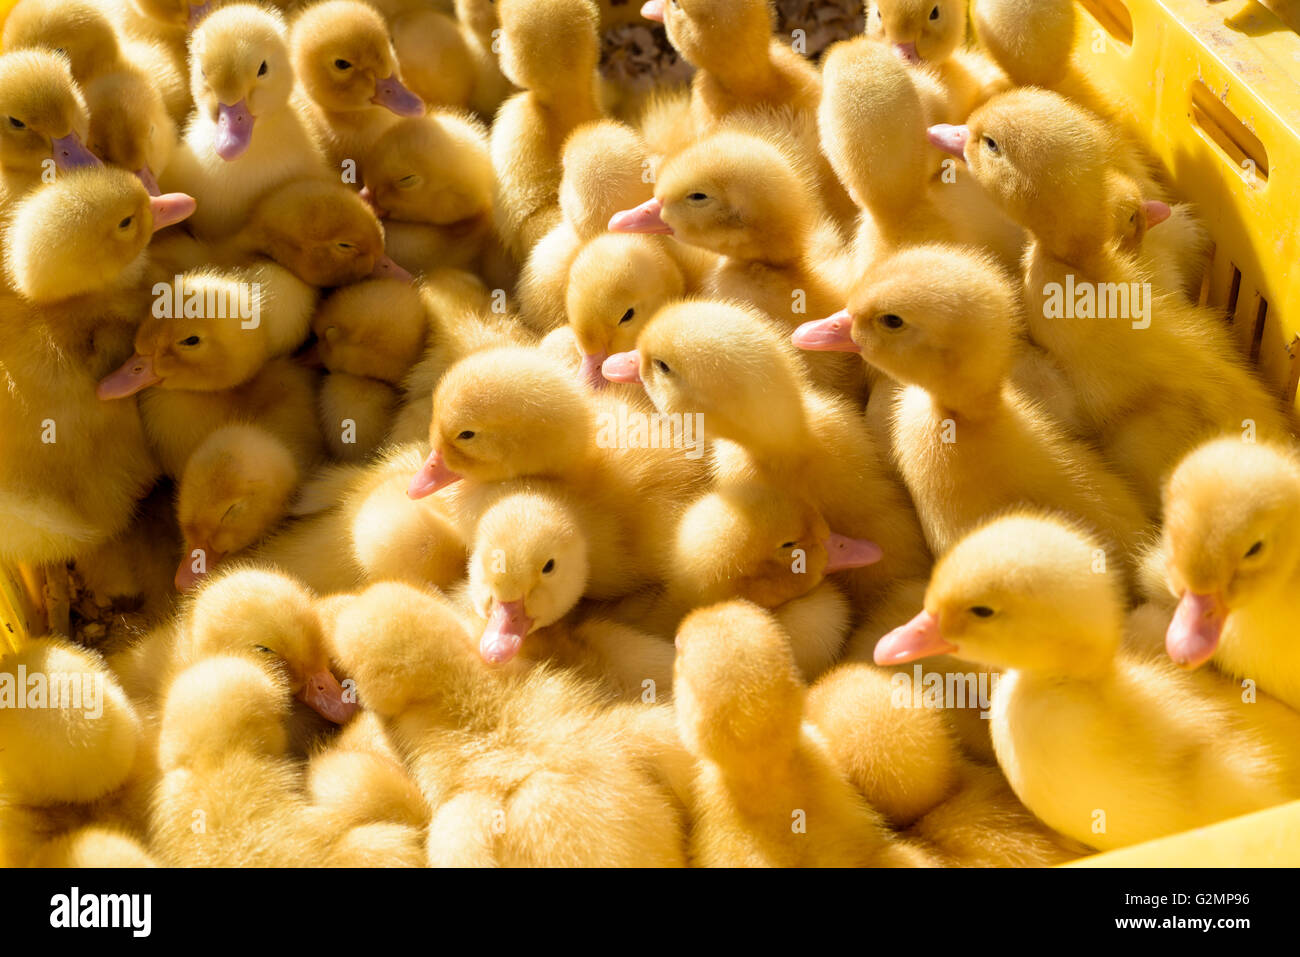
(520, 771)
(550, 49)
(950, 340)
(1230, 511)
(436, 57)
(243, 137)
(351, 87)
(767, 793)
(1106, 747)
(726, 362)
(355, 414)
(129, 126)
(375, 328)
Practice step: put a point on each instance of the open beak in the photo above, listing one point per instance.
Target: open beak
(135, 375)
(1196, 628)
(505, 631)
(432, 476)
(949, 138)
(70, 153)
(393, 96)
(645, 218)
(843, 552)
(385, 268)
(919, 638)
(234, 130)
(324, 695)
(622, 367)
(831, 334)
(169, 209)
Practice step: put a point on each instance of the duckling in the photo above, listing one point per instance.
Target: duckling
(1032, 40)
(605, 169)
(1108, 748)
(243, 138)
(744, 197)
(436, 58)
(351, 87)
(767, 793)
(235, 486)
(1158, 374)
(535, 550)
(550, 50)
(742, 68)
(951, 343)
(725, 361)
(375, 328)
(129, 126)
(46, 123)
(931, 35)
(616, 283)
(355, 414)
(75, 253)
(1230, 509)
(567, 779)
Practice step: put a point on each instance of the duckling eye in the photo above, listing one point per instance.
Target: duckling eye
(1255, 549)
(991, 145)
(891, 321)
(549, 566)
(342, 64)
(17, 123)
(126, 223)
(627, 316)
(662, 366)
(786, 545)
(189, 341)
(408, 182)
(982, 611)
(263, 649)
(934, 14)
(697, 197)
(346, 246)
(261, 70)
(467, 434)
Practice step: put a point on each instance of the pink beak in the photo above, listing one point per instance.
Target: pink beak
(186, 577)
(831, 334)
(622, 367)
(505, 632)
(69, 153)
(1156, 212)
(135, 375)
(145, 175)
(919, 638)
(385, 268)
(1195, 630)
(843, 552)
(168, 209)
(324, 695)
(393, 96)
(234, 130)
(653, 10)
(950, 139)
(432, 476)
(641, 219)
(590, 372)
(908, 52)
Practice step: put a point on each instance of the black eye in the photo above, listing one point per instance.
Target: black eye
(17, 123)
(467, 434)
(346, 246)
(934, 14)
(549, 566)
(261, 70)
(263, 649)
(696, 197)
(662, 366)
(627, 316)
(891, 321)
(1255, 549)
(991, 145)
(189, 341)
(126, 223)
(789, 544)
(342, 64)
(982, 611)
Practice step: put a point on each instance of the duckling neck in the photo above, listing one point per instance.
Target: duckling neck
(745, 71)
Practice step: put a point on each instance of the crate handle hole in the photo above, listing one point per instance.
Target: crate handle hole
(1242, 148)
(1114, 18)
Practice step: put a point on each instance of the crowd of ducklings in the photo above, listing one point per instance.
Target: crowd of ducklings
(400, 595)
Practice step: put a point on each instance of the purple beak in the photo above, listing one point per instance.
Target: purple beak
(234, 130)
(69, 153)
(392, 95)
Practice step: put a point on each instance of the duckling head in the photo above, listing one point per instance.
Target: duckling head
(1025, 591)
(76, 29)
(270, 619)
(75, 750)
(434, 169)
(1231, 535)
(736, 687)
(606, 166)
(505, 413)
(130, 127)
(919, 30)
(84, 233)
(42, 115)
(733, 193)
(938, 316)
(373, 328)
(548, 46)
(616, 283)
(722, 359)
(527, 570)
(202, 352)
(324, 233)
(1133, 217)
(221, 705)
(236, 485)
(239, 70)
(721, 36)
(344, 57)
(761, 544)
